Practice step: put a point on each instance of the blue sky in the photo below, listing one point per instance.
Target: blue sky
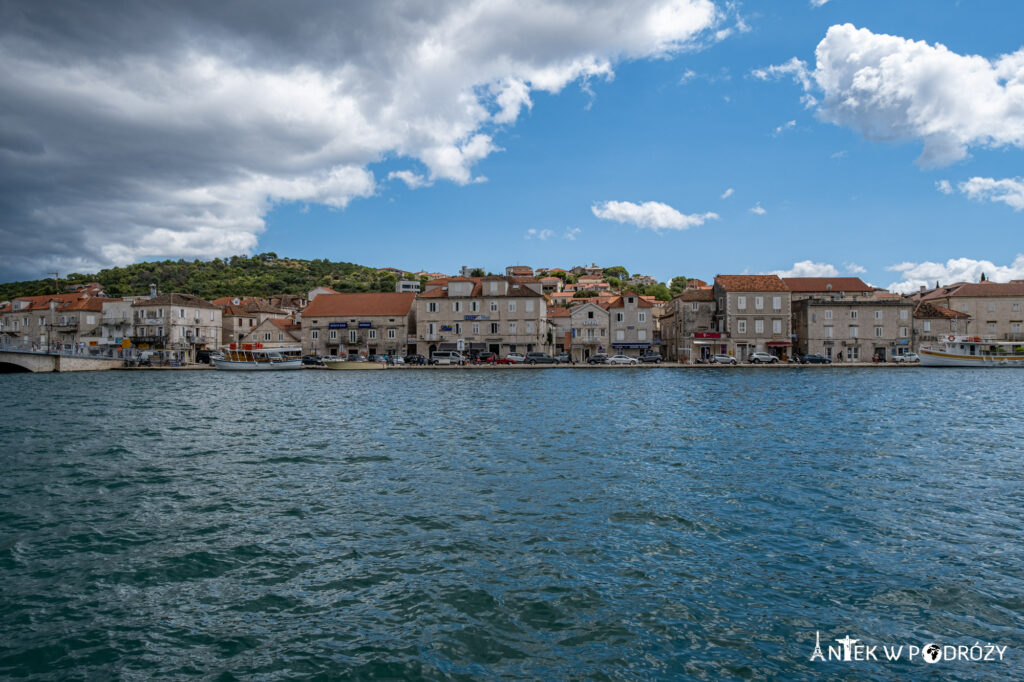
(748, 169)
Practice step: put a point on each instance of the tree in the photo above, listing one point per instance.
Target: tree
(616, 271)
(613, 282)
(586, 293)
(476, 272)
(678, 284)
(659, 291)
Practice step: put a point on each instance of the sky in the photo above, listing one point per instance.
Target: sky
(673, 137)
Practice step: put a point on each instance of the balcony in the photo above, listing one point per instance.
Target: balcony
(1013, 336)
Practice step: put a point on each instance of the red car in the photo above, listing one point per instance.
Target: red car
(488, 358)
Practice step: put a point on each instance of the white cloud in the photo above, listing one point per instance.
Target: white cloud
(687, 76)
(838, 155)
(889, 88)
(818, 3)
(854, 269)
(784, 127)
(413, 180)
(571, 232)
(261, 105)
(542, 235)
(650, 214)
(757, 209)
(808, 268)
(727, 193)
(1010, 191)
(916, 275)
(944, 186)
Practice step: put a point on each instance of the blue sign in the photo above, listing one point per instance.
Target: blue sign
(337, 325)
(631, 345)
(446, 327)
(477, 317)
(364, 325)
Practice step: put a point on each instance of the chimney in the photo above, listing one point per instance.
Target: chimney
(922, 288)
(152, 290)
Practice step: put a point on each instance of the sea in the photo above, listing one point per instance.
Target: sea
(513, 523)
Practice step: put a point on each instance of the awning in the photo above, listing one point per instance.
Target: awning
(773, 344)
(708, 342)
(631, 345)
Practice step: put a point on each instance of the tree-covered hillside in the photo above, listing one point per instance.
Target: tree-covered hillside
(261, 275)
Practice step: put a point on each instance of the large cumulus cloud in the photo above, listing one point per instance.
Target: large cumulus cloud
(168, 129)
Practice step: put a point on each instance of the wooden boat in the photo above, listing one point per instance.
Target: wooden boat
(973, 351)
(248, 358)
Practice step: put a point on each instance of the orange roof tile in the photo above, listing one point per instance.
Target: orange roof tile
(825, 284)
(751, 282)
(360, 305)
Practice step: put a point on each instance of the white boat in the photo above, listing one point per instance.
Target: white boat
(256, 359)
(973, 351)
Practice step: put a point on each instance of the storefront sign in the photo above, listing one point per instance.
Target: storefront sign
(365, 325)
(337, 325)
(708, 335)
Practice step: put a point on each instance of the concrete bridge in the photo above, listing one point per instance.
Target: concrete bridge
(37, 361)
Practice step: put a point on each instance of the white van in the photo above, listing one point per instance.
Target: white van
(447, 357)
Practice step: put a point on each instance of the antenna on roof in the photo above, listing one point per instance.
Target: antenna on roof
(56, 282)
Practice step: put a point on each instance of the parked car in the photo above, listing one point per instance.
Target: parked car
(907, 357)
(396, 360)
(650, 357)
(503, 361)
(447, 357)
(598, 359)
(564, 358)
(621, 360)
(379, 358)
(204, 356)
(312, 361)
(486, 357)
(759, 357)
(814, 359)
(540, 358)
(721, 359)
(414, 359)
(516, 357)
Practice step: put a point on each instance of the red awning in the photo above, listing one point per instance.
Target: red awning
(778, 343)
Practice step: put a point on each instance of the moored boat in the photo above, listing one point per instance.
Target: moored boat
(973, 351)
(248, 358)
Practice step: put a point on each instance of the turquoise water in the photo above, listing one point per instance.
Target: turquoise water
(657, 524)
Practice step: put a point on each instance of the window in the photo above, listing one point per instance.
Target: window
(181, 314)
(828, 333)
(494, 306)
(211, 316)
(641, 317)
(495, 328)
(456, 306)
(511, 306)
(630, 300)
(458, 329)
(741, 302)
(494, 287)
(371, 333)
(266, 336)
(814, 317)
(903, 313)
(991, 327)
(1015, 307)
(511, 327)
(351, 335)
(741, 326)
(776, 303)
(431, 329)
(529, 328)
(776, 326)
(828, 314)
(618, 317)
(759, 302)
(529, 306)
(878, 314)
(853, 314)
(641, 335)
(927, 325)
(758, 326)
(476, 327)
(963, 307)
(853, 353)
(89, 319)
(620, 335)
(474, 306)
(315, 334)
(333, 334)
(432, 307)
(280, 336)
(1015, 327)
(903, 332)
(991, 306)
(854, 331)
(878, 332)
(694, 306)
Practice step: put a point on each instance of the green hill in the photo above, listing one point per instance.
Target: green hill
(261, 275)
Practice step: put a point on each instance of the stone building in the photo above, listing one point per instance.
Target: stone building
(358, 324)
(688, 329)
(754, 312)
(178, 325)
(996, 310)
